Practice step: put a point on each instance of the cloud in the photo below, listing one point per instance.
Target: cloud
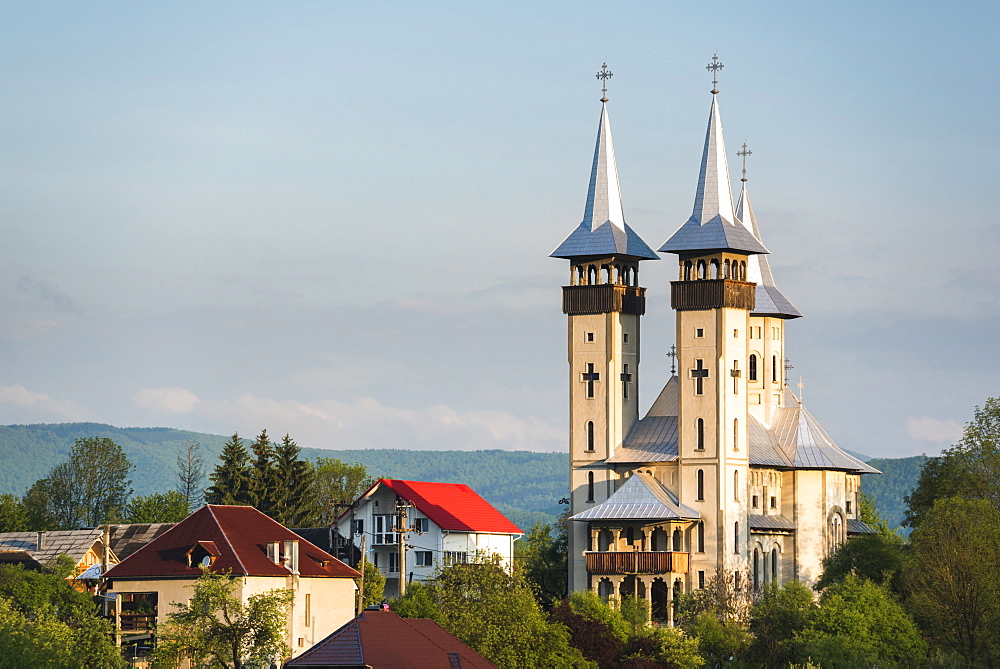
(47, 292)
(29, 406)
(167, 400)
(27, 328)
(931, 429)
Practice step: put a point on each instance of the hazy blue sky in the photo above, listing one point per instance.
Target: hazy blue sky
(333, 219)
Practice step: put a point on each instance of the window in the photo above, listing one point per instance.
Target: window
(736, 486)
(736, 333)
(774, 502)
(359, 526)
(452, 558)
(848, 506)
(424, 558)
(308, 610)
(774, 369)
(383, 529)
(590, 436)
(736, 537)
(701, 537)
(701, 434)
(753, 368)
(701, 485)
(736, 434)
(590, 486)
(590, 337)
(590, 377)
(630, 536)
(626, 379)
(775, 333)
(755, 501)
(625, 338)
(699, 332)
(393, 562)
(421, 524)
(701, 580)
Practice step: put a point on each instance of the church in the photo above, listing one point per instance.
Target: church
(727, 473)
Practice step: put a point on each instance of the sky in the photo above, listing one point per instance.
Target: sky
(333, 220)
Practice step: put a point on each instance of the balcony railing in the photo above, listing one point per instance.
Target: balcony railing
(636, 562)
(137, 622)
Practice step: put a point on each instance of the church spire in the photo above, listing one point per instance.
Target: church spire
(603, 230)
(712, 226)
(769, 300)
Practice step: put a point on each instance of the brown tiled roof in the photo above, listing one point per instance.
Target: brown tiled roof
(240, 535)
(127, 539)
(383, 640)
(74, 543)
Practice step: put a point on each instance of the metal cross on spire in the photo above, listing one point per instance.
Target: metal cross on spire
(801, 386)
(743, 154)
(604, 75)
(714, 68)
(672, 354)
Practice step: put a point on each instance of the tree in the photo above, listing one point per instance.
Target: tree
(292, 499)
(216, 626)
(719, 616)
(13, 514)
(969, 469)
(263, 479)
(374, 584)
(36, 504)
(337, 483)
(167, 507)
(542, 556)
(876, 557)
(191, 475)
(780, 615)
(494, 612)
(231, 477)
(90, 488)
(954, 577)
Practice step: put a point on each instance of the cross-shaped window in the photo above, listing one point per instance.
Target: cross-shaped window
(699, 374)
(589, 377)
(736, 373)
(626, 379)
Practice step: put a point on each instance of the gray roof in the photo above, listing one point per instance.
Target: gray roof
(651, 439)
(603, 231)
(128, 538)
(855, 526)
(770, 301)
(713, 224)
(640, 497)
(74, 543)
(762, 522)
(763, 445)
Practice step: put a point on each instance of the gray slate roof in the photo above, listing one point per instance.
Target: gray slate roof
(855, 526)
(74, 543)
(603, 231)
(640, 497)
(776, 522)
(805, 443)
(653, 438)
(713, 224)
(770, 301)
(128, 538)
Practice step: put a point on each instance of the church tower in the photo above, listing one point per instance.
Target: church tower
(603, 303)
(713, 298)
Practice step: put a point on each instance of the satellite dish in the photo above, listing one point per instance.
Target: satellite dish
(206, 561)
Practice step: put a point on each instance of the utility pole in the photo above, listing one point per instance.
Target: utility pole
(361, 584)
(401, 531)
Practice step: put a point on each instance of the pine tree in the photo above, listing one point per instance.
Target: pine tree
(293, 496)
(231, 477)
(262, 475)
(191, 475)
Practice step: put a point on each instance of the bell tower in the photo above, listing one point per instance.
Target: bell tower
(713, 299)
(603, 303)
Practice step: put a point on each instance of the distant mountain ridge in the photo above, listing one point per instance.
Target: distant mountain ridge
(524, 486)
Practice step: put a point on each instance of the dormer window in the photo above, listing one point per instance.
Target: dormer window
(202, 554)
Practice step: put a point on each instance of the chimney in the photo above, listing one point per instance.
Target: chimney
(107, 550)
(292, 556)
(40, 541)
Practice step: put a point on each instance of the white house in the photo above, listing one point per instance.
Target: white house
(446, 523)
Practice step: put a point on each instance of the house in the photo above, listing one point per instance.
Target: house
(383, 640)
(130, 537)
(89, 550)
(446, 523)
(727, 473)
(241, 541)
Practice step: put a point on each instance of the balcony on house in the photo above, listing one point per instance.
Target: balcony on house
(610, 563)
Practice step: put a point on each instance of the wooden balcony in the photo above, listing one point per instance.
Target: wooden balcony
(137, 622)
(636, 562)
(603, 299)
(712, 294)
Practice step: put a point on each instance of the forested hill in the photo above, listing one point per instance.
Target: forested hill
(524, 486)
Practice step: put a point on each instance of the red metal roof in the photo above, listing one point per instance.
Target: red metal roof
(383, 640)
(239, 534)
(452, 506)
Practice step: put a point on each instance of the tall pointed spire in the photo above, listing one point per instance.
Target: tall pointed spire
(769, 300)
(603, 230)
(712, 225)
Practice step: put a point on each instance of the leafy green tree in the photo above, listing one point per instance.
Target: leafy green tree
(860, 623)
(292, 502)
(374, 584)
(719, 639)
(494, 612)
(954, 577)
(13, 514)
(216, 627)
(36, 504)
(596, 639)
(337, 483)
(231, 476)
(166, 507)
(635, 613)
(590, 605)
(90, 488)
(969, 469)
(542, 556)
(876, 557)
(191, 475)
(778, 616)
(674, 649)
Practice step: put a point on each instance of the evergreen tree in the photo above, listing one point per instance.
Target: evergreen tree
(263, 481)
(191, 475)
(293, 500)
(231, 477)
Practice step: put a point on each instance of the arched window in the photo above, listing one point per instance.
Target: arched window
(590, 435)
(753, 367)
(774, 369)
(736, 485)
(701, 537)
(743, 270)
(725, 268)
(677, 540)
(701, 434)
(630, 536)
(590, 486)
(687, 270)
(736, 434)
(701, 485)
(701, 269)
(736, 538)
(592, 275)
(715, 268)
(756, 568)
(774, 564)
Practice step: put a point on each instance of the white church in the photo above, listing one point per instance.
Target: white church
(727, 472)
